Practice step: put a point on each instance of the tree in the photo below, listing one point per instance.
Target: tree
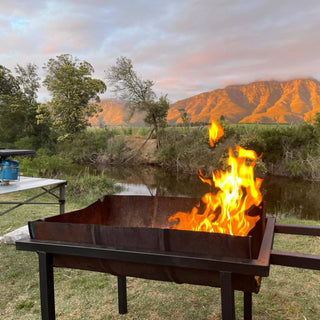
(184, 118)
(18, 107)
(11, 116)
(74, 92)
(29, 83)
(138, 94)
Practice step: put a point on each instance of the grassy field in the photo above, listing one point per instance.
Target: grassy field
(288, 293)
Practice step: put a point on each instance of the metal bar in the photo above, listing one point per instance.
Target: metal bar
(247, 305)
(267, 242)
(29, 201)
(49, 191)
(46, 286)
(23, 203)
(122, 295)
(227, 296)
(62, 198)
(297, 260)
(241, 266)
(297, 229)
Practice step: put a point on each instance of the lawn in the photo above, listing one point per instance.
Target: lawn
(288, 293)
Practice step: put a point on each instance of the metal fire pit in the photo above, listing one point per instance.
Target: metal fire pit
(131, 236)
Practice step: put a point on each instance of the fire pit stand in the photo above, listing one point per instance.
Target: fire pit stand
(122, 236)
(226, 268)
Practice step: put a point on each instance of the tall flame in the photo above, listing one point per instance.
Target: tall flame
(239, 190)
(215, 132)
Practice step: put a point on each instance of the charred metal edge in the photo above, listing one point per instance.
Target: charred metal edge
(267, 243)
(239, 266)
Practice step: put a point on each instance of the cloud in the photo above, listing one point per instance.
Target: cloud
(186, 47)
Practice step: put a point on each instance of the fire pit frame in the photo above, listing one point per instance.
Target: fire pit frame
(226, 268)
(261, 266)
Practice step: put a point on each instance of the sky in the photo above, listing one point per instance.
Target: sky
(185, 46)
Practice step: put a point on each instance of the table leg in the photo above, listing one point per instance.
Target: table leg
(62, 199)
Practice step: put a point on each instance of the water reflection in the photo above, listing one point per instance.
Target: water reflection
(284, 197)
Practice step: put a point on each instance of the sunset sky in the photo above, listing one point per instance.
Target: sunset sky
(185, 46)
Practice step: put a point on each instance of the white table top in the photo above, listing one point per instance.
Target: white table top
(25, 183)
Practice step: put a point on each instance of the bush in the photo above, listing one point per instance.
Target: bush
(85, 146)
(87, 187)
(190, 151)
(44, 165)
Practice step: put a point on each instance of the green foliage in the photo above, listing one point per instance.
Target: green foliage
(87, 186)
(157, 113)
(286, 150)
(44, 165)
(143, 131)
(73, 91)
(184, 118)
(127, 131)
(18, 108)
(189, 151)
(86, 145)
(92, 146)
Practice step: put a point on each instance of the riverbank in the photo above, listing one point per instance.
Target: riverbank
(283, 150)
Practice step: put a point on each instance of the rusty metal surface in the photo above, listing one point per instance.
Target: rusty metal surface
(141, 223)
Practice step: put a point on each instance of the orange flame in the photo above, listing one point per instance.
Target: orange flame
(215, 132)
(239, 190)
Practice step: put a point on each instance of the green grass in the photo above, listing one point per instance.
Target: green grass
(288, 293)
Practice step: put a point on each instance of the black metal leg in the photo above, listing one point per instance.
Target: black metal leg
(122, 294)
(46, 286)
(227, 296)
(247, 300)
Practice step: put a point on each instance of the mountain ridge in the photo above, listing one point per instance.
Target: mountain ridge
(290, 101)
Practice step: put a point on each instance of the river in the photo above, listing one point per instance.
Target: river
(285, 198)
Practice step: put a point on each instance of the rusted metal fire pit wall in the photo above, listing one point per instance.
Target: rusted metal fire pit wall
(141, 223)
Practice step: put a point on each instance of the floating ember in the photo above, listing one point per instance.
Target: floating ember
(226, 210)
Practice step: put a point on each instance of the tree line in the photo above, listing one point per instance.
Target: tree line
(25, 122)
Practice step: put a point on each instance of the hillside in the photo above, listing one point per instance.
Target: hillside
(292, 101)
(114, 113)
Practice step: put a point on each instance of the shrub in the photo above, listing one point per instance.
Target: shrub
(85, 146)
(87, 187)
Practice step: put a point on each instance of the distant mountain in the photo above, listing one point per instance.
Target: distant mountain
(292, 101)
(114, 113)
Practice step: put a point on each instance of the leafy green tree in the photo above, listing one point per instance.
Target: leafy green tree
(29, 83)
(138, 94)
(74, 93)
(11, 115)
(18, 108)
